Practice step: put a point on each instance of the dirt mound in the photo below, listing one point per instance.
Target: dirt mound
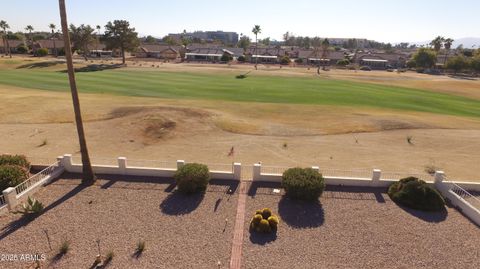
(154, 124)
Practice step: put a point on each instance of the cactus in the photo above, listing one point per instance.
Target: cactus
(264, 226)
(266, 213)
(273, 221)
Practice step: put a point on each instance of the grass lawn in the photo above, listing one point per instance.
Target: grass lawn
(266, 89)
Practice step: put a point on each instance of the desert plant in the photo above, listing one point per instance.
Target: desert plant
(303, 183)
(64, 248)
(410, 139)
(241, 58)
(109, 257)
(33, 206)
(273, 221)
(266, 213)
(192, 177)
(11, 176)
(414, 193)
(20, 160)
(264, 226)
(264, 221)
(140, 246)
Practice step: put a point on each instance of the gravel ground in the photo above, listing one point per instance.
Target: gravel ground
(179, 231)
(358, 228)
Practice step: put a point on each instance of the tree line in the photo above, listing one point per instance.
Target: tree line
(118, 35)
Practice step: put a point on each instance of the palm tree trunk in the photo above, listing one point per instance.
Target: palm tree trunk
(55, 47)
(88, 176)
(123, 55)
(256, 51)
(8, 47)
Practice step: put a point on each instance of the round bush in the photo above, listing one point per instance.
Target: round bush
(192, 177)
(285, 60)
(41, 52)
(241, 58)
(18, 160)
(11, 176)
(414, 193)
(256, 219)
(303, 183)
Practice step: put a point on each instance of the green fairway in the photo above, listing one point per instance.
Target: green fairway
(269, 89)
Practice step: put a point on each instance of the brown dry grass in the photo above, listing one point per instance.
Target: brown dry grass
(197, 130)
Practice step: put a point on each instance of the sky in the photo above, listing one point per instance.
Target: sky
(382, 20)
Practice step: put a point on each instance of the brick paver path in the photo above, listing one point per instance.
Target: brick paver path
(236, 257)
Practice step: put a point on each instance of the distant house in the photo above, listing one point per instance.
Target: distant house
(211, 54)
(158, 51)
(313, 57)
(13, 45)
(49, 44)
(268, 55)
(381, 60)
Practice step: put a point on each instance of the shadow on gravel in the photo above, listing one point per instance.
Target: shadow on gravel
(26, 219)
(427, 216)
(178, 203)
(262, 238)
(300, 214)
(168, 183)
(355, 193)
(265, 188)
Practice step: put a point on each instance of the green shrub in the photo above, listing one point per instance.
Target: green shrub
(19, 160)
(192, 177)
(303, 183)
(299, 60)
(414, 193)
(226, 58)
(11, 176)
(241, 58)
(264, 221)
(285, 60)
(22, 49)
(343, 62)
(41, 52)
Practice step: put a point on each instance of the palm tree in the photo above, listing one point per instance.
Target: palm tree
(437, 43)
(88, 176)
(4, 25)
(53, 27)
(256, 30)
(98, 27)
(325, 45)
(448, 45)
(30, 29)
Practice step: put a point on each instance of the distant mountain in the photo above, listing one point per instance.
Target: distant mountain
(466, 42)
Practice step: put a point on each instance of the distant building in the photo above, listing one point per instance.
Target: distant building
(209, 36)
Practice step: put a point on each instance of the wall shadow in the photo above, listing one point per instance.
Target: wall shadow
(355, 193)
(178, 203)
(113, 179)
(260, 187)
(301, 214)
(26, 219)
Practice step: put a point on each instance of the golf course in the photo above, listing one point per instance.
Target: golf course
(280, 116)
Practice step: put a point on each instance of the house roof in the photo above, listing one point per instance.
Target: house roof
(158, 48)
(13, 43)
